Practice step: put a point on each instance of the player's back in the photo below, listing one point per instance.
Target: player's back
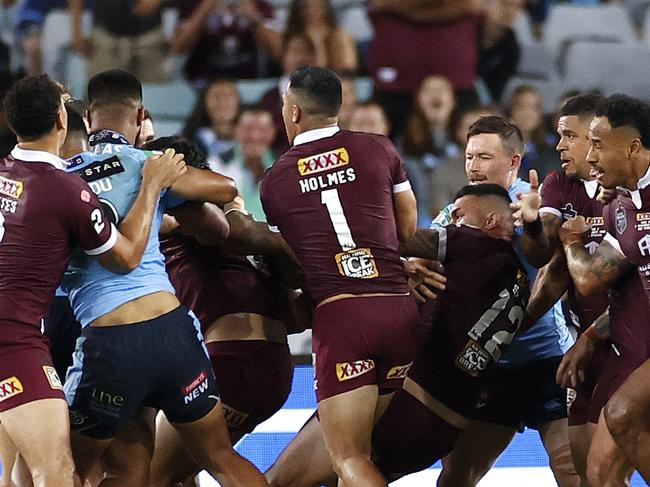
(332, 199)
(36, 234)
(113, 172)
(470, 324)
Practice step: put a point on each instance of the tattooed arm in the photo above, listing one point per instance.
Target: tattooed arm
(591, 273)
(426, 243)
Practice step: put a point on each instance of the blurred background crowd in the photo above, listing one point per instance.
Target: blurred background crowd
(420, 71)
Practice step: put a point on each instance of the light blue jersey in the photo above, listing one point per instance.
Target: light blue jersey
(549, 337)
(113, 171)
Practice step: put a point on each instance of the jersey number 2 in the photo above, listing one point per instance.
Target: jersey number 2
(98, 220)
(330, 198)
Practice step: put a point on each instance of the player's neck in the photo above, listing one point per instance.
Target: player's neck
(315, 123)
(50, 143)
(120, 126)
(639, 169)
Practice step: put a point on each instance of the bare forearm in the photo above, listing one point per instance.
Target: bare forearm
(601, 326)
(551, 284)
(205, 186)
(423, 244)
(593, 273)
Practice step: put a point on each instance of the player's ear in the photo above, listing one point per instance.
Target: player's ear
(140, 116)
(515, 161)
(89, 119)
(492, 220)
(635, 147)
(296, 114)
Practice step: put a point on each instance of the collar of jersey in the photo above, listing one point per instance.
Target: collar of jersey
(316, 134)
(107, 136)
(635, 195)
(38, 156)
(591, 187)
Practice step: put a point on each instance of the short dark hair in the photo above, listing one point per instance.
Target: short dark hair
(114, 86)
(75, 109)
(32, 105)
(581, 105)
(623, 110)
(194, 156)
(319, 88)
(507, 131)
(487, 189)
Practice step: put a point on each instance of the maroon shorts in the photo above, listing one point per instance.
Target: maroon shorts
(254, 378)
(362, 341)
(579, 408)
(616, 370)
(410, 437)
(26, 370)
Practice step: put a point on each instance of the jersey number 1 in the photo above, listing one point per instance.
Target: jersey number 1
(330, 198)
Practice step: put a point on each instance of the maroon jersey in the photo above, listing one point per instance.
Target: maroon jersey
(44, 214)
(627, 220)
(470, 324)
(331, 197)
(629, 314)
(566, 198)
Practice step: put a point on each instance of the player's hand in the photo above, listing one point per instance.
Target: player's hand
(237, 204)
(605, 195)
(526, 208)
(161, 171)
(423, 277)
(573, 230)
(572, 369)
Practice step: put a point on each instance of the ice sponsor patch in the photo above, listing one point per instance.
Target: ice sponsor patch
(350, 370)
(357, 264)
(10, 387)
(473, 359)
(52, 377)
(11, 188)
(323, 161)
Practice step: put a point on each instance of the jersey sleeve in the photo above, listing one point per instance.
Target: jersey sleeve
(92, 230)
(265, 198)
(551, 195)
(399, 176)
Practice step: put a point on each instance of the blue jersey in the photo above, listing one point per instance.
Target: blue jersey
(549, 337)
(113, 171)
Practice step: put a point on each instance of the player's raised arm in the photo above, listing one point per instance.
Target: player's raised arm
(591, 273)
(158, 173)
(425, 243)
(207, 186)
(206, 222)
(535, 241)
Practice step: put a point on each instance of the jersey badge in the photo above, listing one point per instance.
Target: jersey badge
(621, 219)
(323, 161)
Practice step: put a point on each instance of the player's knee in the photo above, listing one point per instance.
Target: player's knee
(620, 414)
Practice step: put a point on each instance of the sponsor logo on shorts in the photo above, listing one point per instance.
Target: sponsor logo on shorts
(11, 188)
(197, 387)
(77, 418)
(571, 395)
(323, 161)
(52, 377)
(101, 169)
(473, 359)
(10, 387)
(357, 264)
(399, 371)
(350, 370)
(234, 418)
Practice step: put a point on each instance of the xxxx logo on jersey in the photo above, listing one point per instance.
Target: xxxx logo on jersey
(11, 188)
(323, 162)
(350, 370)
(10, 387)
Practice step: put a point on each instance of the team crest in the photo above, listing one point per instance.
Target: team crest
(621, 219)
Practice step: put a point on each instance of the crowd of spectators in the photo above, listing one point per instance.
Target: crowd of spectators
(436, 66)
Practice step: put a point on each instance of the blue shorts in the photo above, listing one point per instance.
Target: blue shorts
(160, 363)
(526, 396)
